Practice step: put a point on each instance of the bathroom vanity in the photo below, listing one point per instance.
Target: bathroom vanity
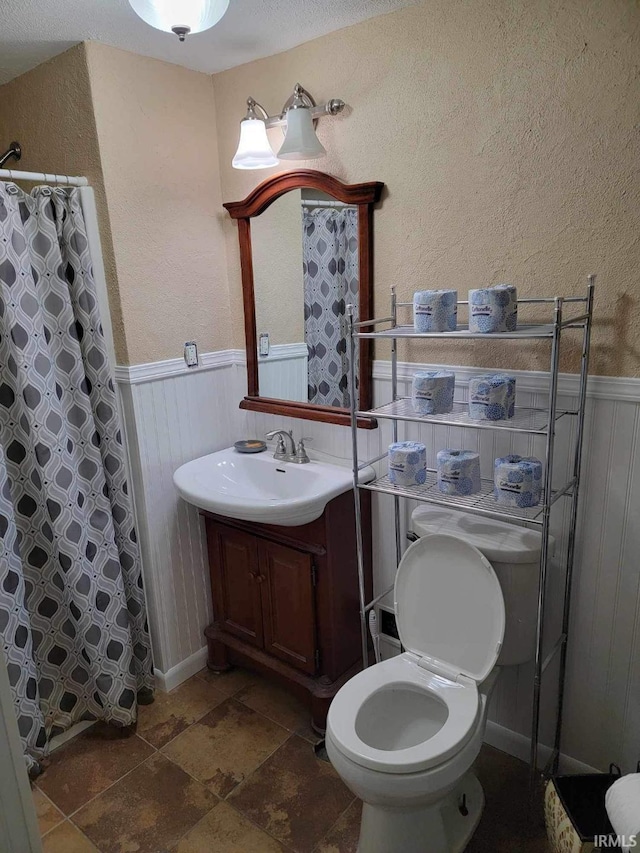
(286, 601)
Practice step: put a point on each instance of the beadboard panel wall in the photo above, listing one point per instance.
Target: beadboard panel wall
(168, 421)
(186, 414)
(283, 374)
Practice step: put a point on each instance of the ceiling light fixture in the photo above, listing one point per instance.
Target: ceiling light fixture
(181, 17)
(298, 117)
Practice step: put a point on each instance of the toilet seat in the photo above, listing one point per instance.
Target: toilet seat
(404, 671)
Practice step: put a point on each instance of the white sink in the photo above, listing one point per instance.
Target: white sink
(256, 487)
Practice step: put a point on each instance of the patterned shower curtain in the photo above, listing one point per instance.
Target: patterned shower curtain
(330, 268)
(72, 610)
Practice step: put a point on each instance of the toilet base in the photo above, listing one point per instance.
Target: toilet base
(438, 828)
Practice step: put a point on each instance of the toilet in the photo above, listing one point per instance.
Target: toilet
(403, 734)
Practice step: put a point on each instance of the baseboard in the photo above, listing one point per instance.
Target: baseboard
(169, 680)
(518, 745)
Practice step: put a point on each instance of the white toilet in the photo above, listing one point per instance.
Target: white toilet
(404, 733)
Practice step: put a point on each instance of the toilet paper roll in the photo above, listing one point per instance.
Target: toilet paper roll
(517, 481)
(407, 463)
(492, 397)
(622, 803)
(435, 310)
(458, 472)
(493, 309)
(432, 391)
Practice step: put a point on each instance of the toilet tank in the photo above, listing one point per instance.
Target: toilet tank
(514, 553)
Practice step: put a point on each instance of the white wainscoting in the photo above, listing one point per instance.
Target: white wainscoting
(173, 414)
(283, 374)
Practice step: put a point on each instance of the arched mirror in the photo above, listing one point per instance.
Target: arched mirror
(306, 252)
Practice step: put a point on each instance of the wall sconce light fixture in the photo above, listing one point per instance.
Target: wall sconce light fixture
(180, 16)
(297, 117)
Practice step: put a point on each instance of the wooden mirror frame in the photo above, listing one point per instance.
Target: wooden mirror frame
(362, 195)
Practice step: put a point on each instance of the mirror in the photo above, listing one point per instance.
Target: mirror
(306, 254)
(305, 273)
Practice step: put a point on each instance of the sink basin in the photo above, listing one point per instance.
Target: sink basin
(256, 487)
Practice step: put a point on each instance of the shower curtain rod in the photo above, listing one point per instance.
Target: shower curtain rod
(324, 202)
(66, 180)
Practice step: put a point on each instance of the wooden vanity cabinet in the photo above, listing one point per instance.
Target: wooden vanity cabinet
(285, 600)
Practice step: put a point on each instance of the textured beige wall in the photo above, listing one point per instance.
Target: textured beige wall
(156, 127)
(49, 111)
(276, 240)
(508, 135)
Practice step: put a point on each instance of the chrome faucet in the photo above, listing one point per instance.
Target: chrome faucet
(295, 454)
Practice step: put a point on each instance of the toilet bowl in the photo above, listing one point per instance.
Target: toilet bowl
(404, 733)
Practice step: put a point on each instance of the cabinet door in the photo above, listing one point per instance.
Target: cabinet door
(235, 582)
(288, 605)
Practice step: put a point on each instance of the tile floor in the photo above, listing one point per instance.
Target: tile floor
(225, 764)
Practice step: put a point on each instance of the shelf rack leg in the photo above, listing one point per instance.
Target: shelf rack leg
(353, 403)
(577, 464)
(544, 551)
(394, 426)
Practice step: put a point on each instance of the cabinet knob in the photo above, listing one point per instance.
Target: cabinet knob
(260, 579)
(253, 576)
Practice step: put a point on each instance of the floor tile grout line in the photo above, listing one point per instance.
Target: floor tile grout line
(63, 817)
(222, 699)
(76, 827)
(175, 737)
(244, 781)
(184, 731)
(108, 788)
(261, 828)
(225, 799)
(242, 702)
(333, 825)
(258, 766)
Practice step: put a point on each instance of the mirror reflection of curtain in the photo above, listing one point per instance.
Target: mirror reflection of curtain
(330, 268)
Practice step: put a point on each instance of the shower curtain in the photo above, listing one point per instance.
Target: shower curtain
(72, 610)
(330, 268)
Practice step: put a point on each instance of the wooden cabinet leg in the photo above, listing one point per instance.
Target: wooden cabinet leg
(319, 711)
(217, 660)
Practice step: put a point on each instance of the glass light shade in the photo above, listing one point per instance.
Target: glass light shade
(197, 15)
(254, 149)
(300, 141)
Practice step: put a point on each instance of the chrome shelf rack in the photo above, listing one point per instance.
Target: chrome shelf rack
(526, 420)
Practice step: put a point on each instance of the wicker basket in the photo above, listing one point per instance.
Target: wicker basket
(575, 813)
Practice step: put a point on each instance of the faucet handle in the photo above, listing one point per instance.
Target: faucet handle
(281, 450)
(301, 451)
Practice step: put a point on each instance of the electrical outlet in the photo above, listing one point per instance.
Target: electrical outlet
(264, 344)
(191, 354)
(387, 622)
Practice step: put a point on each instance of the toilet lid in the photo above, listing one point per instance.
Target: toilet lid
(449, 606)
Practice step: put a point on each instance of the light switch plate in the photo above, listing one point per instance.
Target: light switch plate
(264, 344)
(191, 354)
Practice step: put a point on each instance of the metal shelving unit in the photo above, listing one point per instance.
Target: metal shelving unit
(534, 421)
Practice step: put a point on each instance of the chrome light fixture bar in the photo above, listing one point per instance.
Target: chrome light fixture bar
(298, 116)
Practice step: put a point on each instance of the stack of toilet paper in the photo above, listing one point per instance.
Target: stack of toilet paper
(517, 481)
(492, 397)
(407, 463)
(493, 309)
(458, 472)
(432, 391)
(622, 802)
(435, 310)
